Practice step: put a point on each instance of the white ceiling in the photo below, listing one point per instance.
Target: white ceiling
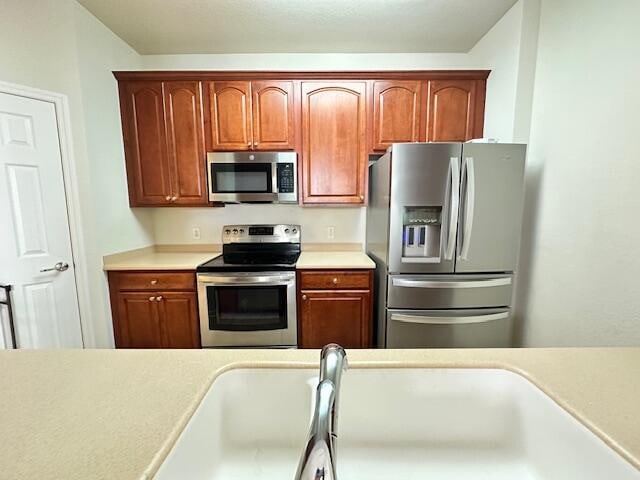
(299, 26)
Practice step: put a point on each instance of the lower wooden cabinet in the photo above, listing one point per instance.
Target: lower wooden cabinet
(335, 306)
(148, 317)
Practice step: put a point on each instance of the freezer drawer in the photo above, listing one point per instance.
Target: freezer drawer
(476, 328)
(449, 291)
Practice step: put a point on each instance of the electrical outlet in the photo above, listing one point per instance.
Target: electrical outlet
(196, 233)
(331, 233)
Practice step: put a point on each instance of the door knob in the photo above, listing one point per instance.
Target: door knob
(60, 267)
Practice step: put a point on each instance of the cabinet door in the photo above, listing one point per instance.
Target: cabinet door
(138, 322)
(185, 142)
(333, 142)
(179, 318)
(230, 115)
(451, 110)
(396, 112)
(145, 143)
(339, 316)
(273, 115)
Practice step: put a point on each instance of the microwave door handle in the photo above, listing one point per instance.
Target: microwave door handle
(469, 204)
(454, 204)
(440, 320)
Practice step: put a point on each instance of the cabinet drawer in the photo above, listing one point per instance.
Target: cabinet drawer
(155, 281)
(335, 279)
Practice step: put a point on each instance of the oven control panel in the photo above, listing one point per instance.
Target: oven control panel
(281, 233)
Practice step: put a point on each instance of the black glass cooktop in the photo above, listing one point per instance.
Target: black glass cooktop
(254, 258)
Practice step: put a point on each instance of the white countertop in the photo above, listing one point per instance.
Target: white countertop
(160, 258)
(337, 260)
(154, 260)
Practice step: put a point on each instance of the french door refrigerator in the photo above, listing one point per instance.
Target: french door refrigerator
(443, 226)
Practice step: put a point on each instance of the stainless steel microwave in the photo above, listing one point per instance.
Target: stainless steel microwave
(253, 177)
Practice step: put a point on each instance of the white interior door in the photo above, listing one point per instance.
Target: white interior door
(34, 226)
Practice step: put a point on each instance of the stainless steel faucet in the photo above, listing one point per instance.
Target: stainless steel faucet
(318, 460)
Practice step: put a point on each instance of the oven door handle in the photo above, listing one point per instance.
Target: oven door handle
(257, 280)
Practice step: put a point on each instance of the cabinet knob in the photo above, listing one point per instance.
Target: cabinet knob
(361, 197)
(304, 297)
(159, 298)
(154, 282)
(151, 299)
(335, 280)
(173, 199)
(249, 144)
(168, 198)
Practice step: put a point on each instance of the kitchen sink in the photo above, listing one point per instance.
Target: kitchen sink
(400, 424)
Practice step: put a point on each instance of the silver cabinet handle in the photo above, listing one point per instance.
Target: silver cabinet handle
(60, 267)
(454, 203)
(493, 282)
(436, 320)
(469, 204)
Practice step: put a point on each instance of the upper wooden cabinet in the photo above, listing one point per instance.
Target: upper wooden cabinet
(145, 143)
(163, 131)
(185, 142)
(273, 115)
(455, 110)
(255, 115)
(333, 120)
(396, 112)
(333, 142)
(230, 115)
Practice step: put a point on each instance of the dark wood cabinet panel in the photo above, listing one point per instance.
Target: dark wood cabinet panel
(396, 112)
(185, 142)
(338, 316)
(451, 110)
(335, 306)
(273, 115)
(230, 115)
(333, 142)
(154, 309)
(178, 311)
(145, 143)
(138, 321)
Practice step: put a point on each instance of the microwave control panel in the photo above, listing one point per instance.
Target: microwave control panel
(286, 178)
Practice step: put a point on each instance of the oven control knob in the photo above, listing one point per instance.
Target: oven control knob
(242, 231)
(286, 230)
(235, 231)
(295, 230)
(227, 231)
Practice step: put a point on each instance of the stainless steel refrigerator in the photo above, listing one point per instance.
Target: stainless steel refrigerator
(443, 226)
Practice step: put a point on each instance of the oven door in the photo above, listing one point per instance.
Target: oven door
(234, 182)
(247, 309)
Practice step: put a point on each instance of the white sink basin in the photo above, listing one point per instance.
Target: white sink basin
(400, 424)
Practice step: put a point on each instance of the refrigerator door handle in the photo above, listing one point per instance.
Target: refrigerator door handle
(454, 204)
(492, 282)
(438, 320)
(469, 203)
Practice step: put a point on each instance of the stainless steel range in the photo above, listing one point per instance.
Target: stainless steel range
(247, 296)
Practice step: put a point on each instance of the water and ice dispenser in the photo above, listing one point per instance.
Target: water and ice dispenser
(422, 228)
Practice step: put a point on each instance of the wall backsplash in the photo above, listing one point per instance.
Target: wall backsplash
(175, 225)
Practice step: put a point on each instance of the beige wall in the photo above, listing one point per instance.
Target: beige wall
(580, 265)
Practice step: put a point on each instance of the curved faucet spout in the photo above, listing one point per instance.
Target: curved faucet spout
(318, 458)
